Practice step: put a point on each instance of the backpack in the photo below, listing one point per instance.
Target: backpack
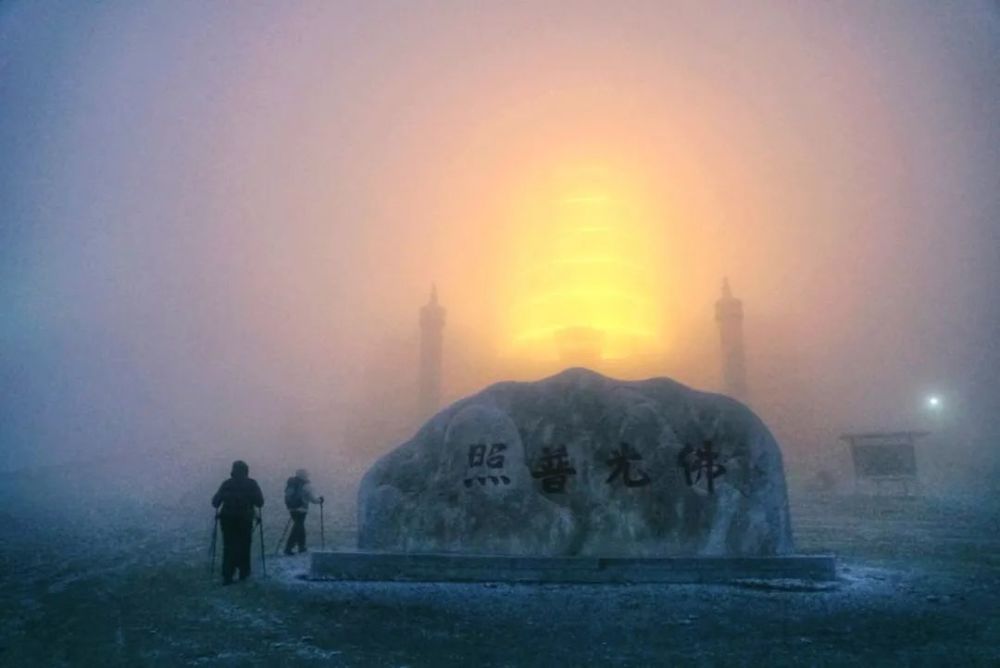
(293, 493)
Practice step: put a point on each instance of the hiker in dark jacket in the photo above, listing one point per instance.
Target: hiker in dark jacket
(298, 495)
(235, 502)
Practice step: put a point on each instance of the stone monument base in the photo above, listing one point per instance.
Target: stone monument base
(412, 567)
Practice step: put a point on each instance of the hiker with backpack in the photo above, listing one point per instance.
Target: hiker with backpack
(234, 504)
(298, 495)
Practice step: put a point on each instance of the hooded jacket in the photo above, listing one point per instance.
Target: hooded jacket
(306, 494)
(239, 495)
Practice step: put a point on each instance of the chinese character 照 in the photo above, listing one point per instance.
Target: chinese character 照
(477, 453)
(494, 459)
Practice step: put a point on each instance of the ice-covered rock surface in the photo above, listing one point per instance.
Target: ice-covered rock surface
(582, 464)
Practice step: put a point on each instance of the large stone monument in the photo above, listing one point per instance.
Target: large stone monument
(582, 465)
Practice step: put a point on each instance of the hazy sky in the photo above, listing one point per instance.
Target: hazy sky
(214, 216)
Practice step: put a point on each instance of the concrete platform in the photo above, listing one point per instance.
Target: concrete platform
(378, 566)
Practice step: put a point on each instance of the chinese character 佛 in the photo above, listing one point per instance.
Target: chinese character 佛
(696, 462)
(494, 459)
(621, 461)
(553, 469)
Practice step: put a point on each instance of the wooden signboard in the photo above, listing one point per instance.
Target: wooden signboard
(883, 457)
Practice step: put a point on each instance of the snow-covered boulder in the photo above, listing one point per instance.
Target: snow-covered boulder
(581, 464)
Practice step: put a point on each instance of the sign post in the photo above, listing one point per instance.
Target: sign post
(885, 457)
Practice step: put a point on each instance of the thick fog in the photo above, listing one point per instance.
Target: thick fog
(218, 221)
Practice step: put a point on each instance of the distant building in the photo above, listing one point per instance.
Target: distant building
(431, 340)
(729, 316)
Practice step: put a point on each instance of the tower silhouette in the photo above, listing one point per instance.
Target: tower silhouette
(431, 338)
(729, 316)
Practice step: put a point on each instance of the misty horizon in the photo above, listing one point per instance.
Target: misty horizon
(219, 222)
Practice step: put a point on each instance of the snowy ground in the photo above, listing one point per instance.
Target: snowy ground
(88, 580)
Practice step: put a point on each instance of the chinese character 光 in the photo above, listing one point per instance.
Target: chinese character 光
(622, 461)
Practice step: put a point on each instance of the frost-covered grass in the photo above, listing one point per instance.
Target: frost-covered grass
(89, 579)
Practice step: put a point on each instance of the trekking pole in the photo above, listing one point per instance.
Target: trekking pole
(260, 525)
(322, 538)
(215, 532)
(283, 534)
